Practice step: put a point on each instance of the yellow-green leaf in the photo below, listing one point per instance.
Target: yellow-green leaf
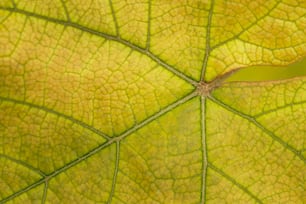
(259, 141)
(127, 102)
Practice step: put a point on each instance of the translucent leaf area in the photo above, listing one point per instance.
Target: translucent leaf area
(100, 101)
(266, 72)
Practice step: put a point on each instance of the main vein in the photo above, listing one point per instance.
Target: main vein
(260, 126)
(102, 146)
(207, 49)
(204, 149)
(108, 37)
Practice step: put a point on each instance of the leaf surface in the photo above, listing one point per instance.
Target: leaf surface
(100, 102)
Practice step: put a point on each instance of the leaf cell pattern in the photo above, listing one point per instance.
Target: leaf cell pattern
(99, 102)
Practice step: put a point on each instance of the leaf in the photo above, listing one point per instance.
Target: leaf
(261, 73)
(125, 102)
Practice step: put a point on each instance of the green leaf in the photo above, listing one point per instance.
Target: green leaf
(129, 102)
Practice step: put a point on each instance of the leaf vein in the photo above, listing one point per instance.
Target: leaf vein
(114, 17)
(22, 163)
(157, 115)
(279, 108)
(115, 173)
(270, 48)
(247, 28)
(204, 150)
(102, 146)
(233, 181)
(26, 189)
(260, 126)
(44, 196)
(149, 25)
(48, 110)
(108, 37)
(66, 10)
(207, 49)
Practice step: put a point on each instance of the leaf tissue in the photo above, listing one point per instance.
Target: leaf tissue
(127, 101)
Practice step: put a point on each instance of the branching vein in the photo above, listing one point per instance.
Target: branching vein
(247, 28)
(260, 126)
(227, 177)
(22, 163)
(102, 146)
(108, 37)
(48, 110)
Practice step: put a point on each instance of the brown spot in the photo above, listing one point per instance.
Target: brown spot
(205, 88)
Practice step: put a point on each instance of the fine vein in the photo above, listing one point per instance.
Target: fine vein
(260, 126)
(102, 146)
(115, 173)
(22, 163)
(149, 25)
(114, 17)
(279, 108)
(48, 110)
(66, 10)
(108, 37)
(227, 177)
(247, 28)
